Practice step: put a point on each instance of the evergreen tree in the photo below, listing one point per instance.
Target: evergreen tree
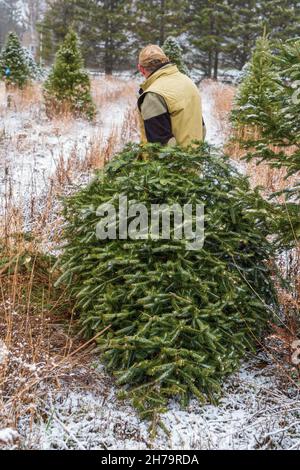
(256, 102)
(221, 33)
(281, 18)
(287, 136)
(288, 131)
(109, 32)
(224, 33)
(247, 21)
(59, 16)
(246, 25)
(13, 63)
(155, 20)
(209, 28)
(266, 115)
(174, 321)
(267, 101)
(68, 85)
(35, 71)
(173, 50)
(102, 27)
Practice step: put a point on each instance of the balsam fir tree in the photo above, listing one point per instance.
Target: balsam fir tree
(288, 132)
(286, 137)
(14, 67)
(173, 50)
(266, 115)
(268, 101)
(68, 85)
(257, 102)
(176, 321)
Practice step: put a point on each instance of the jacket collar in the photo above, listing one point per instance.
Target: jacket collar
(167, 69)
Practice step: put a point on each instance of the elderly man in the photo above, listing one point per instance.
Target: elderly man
(169, 103)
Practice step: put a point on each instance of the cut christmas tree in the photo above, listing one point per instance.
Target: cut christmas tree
(68, 86)
(176, 320)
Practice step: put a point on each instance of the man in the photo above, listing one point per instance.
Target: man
(169, 103)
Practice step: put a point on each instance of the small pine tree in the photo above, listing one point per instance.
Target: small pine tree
(68, 85)
(266, 116)
(288, 131)
(256, 104)
(35, 70)
(13, 63)
(173, 50)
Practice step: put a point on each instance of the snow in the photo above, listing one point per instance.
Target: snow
(8, 436)
(40, 157)
(31, 146)
(252, 414)
(214, 133)
(3, 352)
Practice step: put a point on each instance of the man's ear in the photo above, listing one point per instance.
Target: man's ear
(142, 70)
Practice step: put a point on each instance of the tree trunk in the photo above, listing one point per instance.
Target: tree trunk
(216, 65)
(162, 22)
(209, 66)
(108, 62)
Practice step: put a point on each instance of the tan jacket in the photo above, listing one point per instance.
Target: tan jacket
(182, 100)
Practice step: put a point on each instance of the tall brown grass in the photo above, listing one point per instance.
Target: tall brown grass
(260, 173)
(37, 321)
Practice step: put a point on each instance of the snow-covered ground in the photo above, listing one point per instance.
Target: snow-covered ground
(214, 132)
(31, 145)
(254, 413)
(256, 410)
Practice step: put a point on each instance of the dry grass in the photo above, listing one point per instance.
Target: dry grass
(261, 174)
(223, 98)
(20, 100)
(38, 343)
(37, 327)
(108, 89)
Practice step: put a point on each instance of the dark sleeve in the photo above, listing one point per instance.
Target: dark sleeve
(156, 119)
(158, 129)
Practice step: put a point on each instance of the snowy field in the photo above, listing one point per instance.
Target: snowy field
(260, 408)
(32, 146)
(254, 413)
